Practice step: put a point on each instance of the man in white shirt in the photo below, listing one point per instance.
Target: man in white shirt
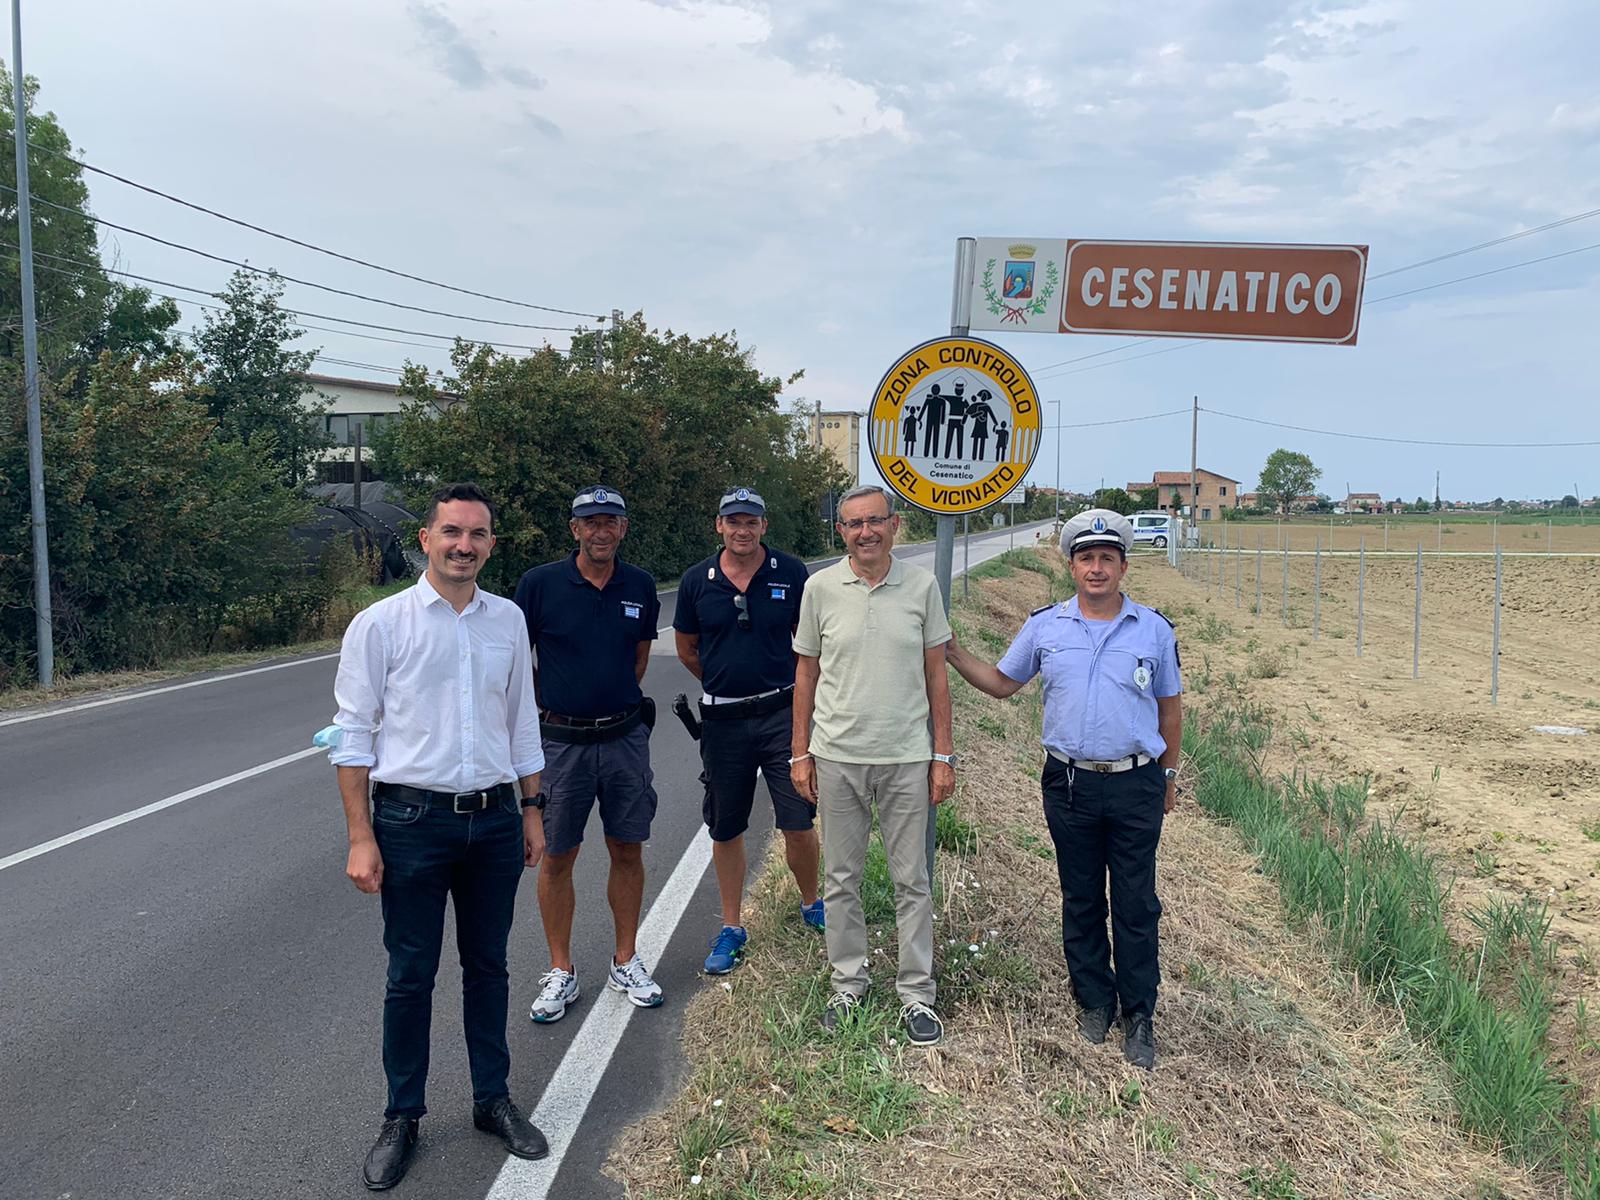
(437, 712)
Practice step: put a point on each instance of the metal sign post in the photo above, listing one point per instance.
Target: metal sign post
(1416, 623)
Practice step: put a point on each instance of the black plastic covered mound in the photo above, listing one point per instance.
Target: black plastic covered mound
(375, 529)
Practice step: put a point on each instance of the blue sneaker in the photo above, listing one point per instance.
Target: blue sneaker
(726, 950)
(812, 915)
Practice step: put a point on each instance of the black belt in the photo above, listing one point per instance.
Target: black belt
(461, 802)
(559, 727)
(758, 706)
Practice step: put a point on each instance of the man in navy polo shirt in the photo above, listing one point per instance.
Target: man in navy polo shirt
(734, 626)
(591, 618)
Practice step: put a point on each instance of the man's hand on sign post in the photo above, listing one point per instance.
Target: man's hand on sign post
(803, 775)
(941, 782)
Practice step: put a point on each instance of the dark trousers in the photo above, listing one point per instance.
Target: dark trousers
(475, 859)
(1104, 824)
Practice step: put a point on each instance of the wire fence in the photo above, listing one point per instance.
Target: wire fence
(1451, 609)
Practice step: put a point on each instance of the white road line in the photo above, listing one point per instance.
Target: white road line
(175, 687)
(566, 1098)
(88, 831)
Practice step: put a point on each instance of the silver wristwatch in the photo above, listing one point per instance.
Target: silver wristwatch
(950, 760)
(1170, 772)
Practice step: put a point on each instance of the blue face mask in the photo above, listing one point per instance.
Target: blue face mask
(328, 738)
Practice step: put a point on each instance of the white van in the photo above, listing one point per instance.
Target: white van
(1152, 529)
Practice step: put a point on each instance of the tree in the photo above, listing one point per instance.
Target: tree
(1569, 501)
(157, 529)
(1115, 499)
(1146, 497)
(70, 289)
(1286, 475)
(252, 382)
(670, 423)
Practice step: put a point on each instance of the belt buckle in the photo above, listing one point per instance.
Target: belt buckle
(1104, 768)
(482, 799)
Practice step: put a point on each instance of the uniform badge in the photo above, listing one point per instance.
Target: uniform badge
(631, 609)
(780, 591)
(600, 496)
(1141, 677)
(1099, 525)
(742, 494)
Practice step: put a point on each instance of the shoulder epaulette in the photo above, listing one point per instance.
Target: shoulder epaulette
(1037, 611)
(1162, 615)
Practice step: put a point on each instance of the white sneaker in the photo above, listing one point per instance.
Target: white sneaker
(560, 988)
(633, 977)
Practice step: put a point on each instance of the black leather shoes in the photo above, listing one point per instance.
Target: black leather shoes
(1094, 1023)
(1139, 1042)
(391, 1154)
(503, 1119)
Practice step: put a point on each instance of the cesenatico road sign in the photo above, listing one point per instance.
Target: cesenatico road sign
(954, 425)
(1229, 290)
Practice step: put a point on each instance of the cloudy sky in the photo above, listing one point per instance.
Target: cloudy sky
(799, 172)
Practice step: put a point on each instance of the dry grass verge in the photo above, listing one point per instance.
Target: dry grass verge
(1278, 1074)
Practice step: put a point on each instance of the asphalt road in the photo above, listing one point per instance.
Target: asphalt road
(191, 999)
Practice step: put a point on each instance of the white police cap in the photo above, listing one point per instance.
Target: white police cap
(741, 500)
(1097, 527)
(593, 501)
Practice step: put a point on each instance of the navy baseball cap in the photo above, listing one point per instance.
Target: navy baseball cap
(742, 500)
(591, 502)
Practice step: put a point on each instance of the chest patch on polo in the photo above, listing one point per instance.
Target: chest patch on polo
(631, 609)
(780, 591)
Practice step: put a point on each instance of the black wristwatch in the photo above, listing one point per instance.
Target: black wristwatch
(534, 802)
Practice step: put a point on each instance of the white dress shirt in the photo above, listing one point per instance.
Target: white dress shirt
(435, 699)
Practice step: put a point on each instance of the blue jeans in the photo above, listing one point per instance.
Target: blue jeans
(475, 858)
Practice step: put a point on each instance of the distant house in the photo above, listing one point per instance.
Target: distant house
(353, 403)
(839, 435)
(1214, 493)
(1364, 502)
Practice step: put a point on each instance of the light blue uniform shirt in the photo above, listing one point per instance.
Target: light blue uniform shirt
(1099, 691)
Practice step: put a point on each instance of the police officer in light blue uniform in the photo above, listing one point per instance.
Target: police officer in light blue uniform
(1113, 723)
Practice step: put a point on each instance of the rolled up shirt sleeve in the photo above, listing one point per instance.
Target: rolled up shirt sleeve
(358, 691)
(522, 713)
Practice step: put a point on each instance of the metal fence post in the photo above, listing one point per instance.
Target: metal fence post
(1238, 576)
(1285, 589)
(1441, 533)
(1316, 602)
(1550, 536)
(1416, 623)
(1386, 533)
(1361, 599)
(1494, 658)
(1258, 582)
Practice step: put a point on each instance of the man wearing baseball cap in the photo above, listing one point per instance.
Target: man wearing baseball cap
(1113, 724)
(591, 618)
(734, 626)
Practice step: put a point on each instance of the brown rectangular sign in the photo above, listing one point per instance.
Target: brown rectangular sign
(1246, 290)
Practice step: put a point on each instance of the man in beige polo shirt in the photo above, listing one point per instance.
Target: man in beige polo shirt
(870, 672)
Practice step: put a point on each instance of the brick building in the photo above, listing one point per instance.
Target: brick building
(1215, 492)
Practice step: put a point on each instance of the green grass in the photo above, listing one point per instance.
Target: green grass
(1590, 830)
(1379, 894)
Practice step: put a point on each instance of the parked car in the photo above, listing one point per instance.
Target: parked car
(1152, 528)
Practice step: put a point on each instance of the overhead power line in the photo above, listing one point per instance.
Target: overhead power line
(1481, 274)
(447, 337)
(294, 241)
(1372, 437)
(1499, 241)
(270, 273)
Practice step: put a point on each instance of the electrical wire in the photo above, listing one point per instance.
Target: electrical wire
(448, 337)
(1372, 437)
(269, 273)
(349, 258)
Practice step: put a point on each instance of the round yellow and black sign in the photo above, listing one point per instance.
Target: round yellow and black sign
(954, 425)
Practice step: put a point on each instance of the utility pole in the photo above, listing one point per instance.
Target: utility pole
(1057, 403)
(616, 334)
(30, 368)
(1194, 465)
